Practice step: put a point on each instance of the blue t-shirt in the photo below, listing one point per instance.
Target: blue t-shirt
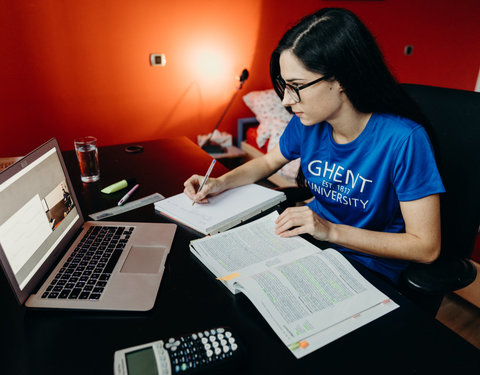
(362, 182)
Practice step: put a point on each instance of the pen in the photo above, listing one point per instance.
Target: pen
(206, 176)
(128, 195)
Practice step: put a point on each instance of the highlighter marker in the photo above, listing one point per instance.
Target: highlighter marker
(118, 186)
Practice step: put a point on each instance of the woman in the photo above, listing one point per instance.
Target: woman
(364, 155)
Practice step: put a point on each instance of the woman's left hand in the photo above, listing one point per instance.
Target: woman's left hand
(299, 220)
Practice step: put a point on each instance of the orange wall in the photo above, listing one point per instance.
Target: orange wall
(72, 68)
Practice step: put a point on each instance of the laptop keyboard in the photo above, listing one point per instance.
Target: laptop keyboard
(86, 272)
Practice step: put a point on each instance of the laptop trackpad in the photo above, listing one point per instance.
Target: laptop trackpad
(144, 259)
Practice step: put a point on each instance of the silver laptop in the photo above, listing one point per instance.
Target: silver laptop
(54, 259)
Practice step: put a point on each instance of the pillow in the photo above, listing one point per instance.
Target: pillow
(270, 113)
(273, 118)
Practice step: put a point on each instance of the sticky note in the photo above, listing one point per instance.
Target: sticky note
(303, 344)
(229, 277)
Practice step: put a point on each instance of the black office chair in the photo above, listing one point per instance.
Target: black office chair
(455, 119)
(454, 116)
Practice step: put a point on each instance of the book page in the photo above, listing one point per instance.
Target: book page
(314, 300)
(223, 209)
(309, 296)
(249, 249)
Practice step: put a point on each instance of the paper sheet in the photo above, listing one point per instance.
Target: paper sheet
(229, 207)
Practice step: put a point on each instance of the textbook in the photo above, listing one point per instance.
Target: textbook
(223, 211)
(309, 296)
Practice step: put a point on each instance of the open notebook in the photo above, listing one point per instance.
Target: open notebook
(223, 211)
(310, 297)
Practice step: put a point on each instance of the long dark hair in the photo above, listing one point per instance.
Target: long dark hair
(335, 43)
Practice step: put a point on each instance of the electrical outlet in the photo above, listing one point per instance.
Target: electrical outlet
(158, 59)
(408, 50)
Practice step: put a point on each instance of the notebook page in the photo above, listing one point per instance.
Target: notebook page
(221, 209)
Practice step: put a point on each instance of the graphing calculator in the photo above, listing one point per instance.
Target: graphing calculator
(199, 352)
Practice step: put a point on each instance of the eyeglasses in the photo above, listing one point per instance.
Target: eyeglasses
(293, 91)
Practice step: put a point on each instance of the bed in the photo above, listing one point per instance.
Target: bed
(257, 135)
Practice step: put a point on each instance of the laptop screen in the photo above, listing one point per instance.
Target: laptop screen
(37, 213)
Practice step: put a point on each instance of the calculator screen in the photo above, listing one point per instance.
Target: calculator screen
(141, 362)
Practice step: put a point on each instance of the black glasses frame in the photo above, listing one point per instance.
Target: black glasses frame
(294, 91)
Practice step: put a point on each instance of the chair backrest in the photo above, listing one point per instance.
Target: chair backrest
(454, 116)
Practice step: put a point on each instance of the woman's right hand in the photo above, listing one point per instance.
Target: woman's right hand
(211, 187)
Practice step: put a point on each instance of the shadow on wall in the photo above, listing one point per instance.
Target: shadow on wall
(187, 109)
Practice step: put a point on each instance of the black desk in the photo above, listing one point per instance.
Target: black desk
(70, 342)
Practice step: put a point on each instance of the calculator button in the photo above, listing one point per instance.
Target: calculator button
(197, 349)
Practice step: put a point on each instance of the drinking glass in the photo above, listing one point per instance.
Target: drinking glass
(87, 155)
